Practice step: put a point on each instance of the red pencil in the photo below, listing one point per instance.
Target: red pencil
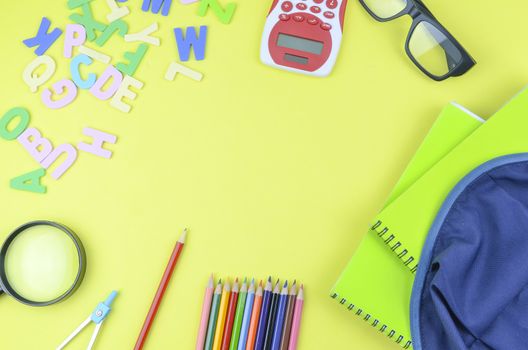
(230, 318)
(159, 293)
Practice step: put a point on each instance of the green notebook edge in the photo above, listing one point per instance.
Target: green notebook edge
(404, 224)
(379, 272)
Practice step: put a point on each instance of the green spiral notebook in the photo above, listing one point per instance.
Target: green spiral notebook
(403, 225)
(382, 295)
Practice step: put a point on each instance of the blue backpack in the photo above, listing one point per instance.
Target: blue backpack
(471, 287)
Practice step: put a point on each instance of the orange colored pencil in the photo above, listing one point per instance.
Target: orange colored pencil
(255, 315)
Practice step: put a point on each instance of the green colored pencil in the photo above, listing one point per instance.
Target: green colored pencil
(211, 328)
(239, 315)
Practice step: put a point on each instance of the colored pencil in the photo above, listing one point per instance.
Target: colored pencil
(263, 320)
(230, 318)
(239, 315)
(288, 317)
(296, 322)
(253, 323)
(160, 292)
(213, 316)
(279, 320)
(222, 311)
(244, 328)
(206, 308)
(271, 317)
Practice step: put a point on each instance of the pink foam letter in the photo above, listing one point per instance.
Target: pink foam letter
(96, 147)
(75, 36)
(71, 156)
(38, 147)
(97, 89)
(59, 88)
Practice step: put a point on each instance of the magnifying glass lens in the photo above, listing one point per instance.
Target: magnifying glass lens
(41, 263)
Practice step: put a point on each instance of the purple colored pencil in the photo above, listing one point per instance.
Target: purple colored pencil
(279, 320)
(263, 320)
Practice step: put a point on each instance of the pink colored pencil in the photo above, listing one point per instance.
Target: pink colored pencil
(202, 332)
(296, 322)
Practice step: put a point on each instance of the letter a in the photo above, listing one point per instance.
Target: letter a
(30, 182)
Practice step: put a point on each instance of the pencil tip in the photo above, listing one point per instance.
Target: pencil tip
(269, 279)
(285, 284)
(183, 236)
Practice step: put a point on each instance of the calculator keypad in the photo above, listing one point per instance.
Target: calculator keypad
(298, 18)
(286, 6)
(324, 6)
(301, 6)
(331, 4)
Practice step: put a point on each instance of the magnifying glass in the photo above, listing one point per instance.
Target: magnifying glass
(41, 263)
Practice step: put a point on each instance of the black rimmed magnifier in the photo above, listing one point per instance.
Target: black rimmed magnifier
(41, 263)
(429, 45)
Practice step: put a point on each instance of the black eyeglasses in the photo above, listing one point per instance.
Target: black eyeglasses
(429, 45)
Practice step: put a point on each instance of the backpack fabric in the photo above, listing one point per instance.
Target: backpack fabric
(471, 287)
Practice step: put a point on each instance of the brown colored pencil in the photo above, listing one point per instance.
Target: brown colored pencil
(288, 318)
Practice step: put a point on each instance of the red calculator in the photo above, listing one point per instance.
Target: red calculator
(303, 36)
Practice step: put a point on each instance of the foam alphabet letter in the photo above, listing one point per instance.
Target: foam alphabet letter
(72, 4)
(38, 147)
(23, 123)
(30, 182)
(191, 41)
(76, 74)
(88, 22)
(156, 6)
(96, 55)
(71, 156)
(75, 36)
(96, 147)
(124, 91)
(223, 15)
(144, 35)
(59, 88)
(32, 79)
(109, 73)
(43, 39)
(134, 59)
(175, 68)
(117, 26)
(117, 11)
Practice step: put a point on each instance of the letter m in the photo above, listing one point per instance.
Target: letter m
(156, 5)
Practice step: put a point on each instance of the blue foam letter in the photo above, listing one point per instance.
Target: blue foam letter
(43, 39)
(76, 74)
(156, 6)
(191, 41)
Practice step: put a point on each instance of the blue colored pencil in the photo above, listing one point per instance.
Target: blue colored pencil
(247, 317)
(272, 316)
(263, 320)
(279, 321)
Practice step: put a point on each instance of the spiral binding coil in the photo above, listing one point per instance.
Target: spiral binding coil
(396, 247)
(375, 323)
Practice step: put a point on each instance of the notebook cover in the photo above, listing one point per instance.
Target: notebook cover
(374, 285)
(403, 225)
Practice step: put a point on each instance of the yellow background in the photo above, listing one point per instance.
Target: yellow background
(273, 172)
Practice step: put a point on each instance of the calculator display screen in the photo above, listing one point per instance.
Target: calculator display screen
(301, 44)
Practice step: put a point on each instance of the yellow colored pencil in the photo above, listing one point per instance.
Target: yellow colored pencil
(222, 312)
